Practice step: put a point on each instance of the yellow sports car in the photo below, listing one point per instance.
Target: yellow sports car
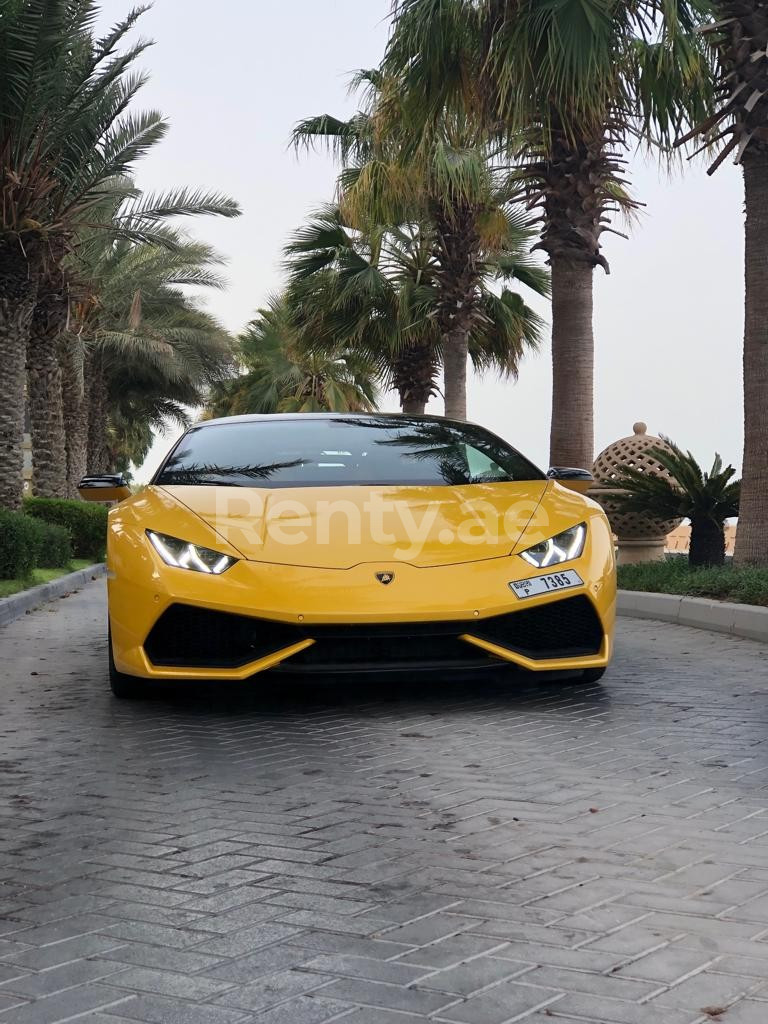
(348, 542)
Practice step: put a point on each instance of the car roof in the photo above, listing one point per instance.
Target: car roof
(271, 417)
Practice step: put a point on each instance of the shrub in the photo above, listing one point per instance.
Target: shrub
(87, 524)
(723, 583)
(19, 539)
(53, 544)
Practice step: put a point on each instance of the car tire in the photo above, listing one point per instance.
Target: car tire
(123, 686)
(591, 675)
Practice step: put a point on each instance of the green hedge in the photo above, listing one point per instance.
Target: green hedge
(27, 543)
(86, 523)
(54, 545)
(745, 585)
(19, 545)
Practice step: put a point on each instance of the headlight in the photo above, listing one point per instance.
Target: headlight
(561, 548)
(183, 555)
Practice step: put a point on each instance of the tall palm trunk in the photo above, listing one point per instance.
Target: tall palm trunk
(572, 430)
(455, 353)
(18, 290)
(458, 279)
(96, 390)
(72, 361)
(413, 376)
(44, 393)
(571, 186)
(752, 532)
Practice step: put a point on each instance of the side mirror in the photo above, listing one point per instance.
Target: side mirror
(104, 488)
(576, 479)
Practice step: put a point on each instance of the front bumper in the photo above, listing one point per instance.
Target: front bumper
(174, 624)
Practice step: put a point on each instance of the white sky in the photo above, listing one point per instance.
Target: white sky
(234, 79)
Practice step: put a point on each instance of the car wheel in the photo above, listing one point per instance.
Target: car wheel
(123, 686)
(591, 675)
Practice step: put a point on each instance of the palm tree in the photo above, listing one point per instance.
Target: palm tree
(283, 375)
(707, 499)
(44, 388)
(379, 289)
(739, 35)
(447, 179)
(117, 221)
(65, 140)
(56, 87)
(72, 361)
(373, 293)
(150, 351)
(565, 85)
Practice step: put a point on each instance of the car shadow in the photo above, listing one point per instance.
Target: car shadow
(421, 692)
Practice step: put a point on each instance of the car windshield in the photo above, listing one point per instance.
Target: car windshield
(364, 450)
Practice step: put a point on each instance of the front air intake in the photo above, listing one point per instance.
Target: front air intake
(189, 637)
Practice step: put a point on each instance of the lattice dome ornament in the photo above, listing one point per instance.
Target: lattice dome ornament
(641, 537)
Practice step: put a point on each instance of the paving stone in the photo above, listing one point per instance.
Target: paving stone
(390, 972)
(45, 983)
(469, 977)
(150, 1009)
(69, 951)
(747, 1011)
(304, 1010)
(501, 1003)
(156, 934)
(69, 928)
(428, 929)
(187, 961)
(367, 1015)
(167, 983)
(451, 951)
(602, 1010)
(390, 997)
(274, 988)
(667, 965)
(536, 954)
(245, 940)
(8, 973)
(265, 961)
(707, 989)
(64, 1006)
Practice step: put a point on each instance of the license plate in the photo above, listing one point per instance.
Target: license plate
(546, 584)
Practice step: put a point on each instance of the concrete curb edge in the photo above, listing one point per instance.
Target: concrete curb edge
(16, 605)
(745, 620)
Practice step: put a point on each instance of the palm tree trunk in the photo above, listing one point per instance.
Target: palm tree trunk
(44, 394)
(572, 432)
(707, 542)
(71, 358)
(18, 290)
(455, 354)
(458, 278)
(412, 406)
(413, 376)
(752, 531)
(96, 390)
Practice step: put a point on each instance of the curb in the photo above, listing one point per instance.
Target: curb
(16, 605)
(745, 620)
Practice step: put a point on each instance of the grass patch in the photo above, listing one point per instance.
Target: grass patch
(38, 576)
(745, 586)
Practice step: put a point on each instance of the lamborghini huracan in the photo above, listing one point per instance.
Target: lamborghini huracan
(336, 543)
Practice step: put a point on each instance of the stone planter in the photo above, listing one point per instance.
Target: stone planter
(641, 538)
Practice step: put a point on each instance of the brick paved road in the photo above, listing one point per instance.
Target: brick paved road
(482, 852)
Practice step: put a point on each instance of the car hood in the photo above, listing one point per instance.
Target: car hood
(339, 527)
